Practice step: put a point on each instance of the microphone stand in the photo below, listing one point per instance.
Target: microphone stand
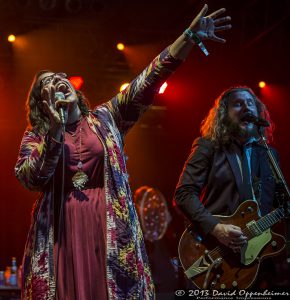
(281, 180)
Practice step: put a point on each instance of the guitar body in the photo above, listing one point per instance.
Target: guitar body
(211, 265)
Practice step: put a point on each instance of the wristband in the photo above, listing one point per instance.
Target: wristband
(190, 35)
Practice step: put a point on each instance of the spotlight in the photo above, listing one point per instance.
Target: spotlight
(163, 88)
(76, 81)
(262, 84)
(11, 38)
(123, 86)
(120, 46)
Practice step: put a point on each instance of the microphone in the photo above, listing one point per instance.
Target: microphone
(62, 110)
(260, 122)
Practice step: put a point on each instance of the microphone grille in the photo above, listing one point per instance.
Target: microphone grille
(59, 95)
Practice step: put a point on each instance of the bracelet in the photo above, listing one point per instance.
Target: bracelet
(190, 35)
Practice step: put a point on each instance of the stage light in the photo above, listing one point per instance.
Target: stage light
(11, 38)
(262, 84)
(123, 86)
(76, 81)
(163, 88)
(120, 46)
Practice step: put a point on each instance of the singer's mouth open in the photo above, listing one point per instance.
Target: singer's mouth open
(63, 87)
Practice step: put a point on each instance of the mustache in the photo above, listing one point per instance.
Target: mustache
(235, 129)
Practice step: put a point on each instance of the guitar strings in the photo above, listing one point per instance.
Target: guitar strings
(267, 220)
(219, 251)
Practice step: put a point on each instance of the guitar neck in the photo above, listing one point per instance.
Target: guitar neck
(255, 228)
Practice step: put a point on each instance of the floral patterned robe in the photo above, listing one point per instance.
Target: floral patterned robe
(128, 273)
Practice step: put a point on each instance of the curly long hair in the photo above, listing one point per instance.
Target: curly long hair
(37, 118)
(215, 126)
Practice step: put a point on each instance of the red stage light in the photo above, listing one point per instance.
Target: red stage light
(163, 88)
(76, 81)
(262, 84)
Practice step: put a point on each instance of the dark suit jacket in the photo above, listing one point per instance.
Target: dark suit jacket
(210, 183)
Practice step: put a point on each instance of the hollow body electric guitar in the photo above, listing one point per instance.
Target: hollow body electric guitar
(211, 265)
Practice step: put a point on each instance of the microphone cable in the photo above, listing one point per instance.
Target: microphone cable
(61, 212)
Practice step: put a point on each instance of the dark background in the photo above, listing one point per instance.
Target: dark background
(79, 38)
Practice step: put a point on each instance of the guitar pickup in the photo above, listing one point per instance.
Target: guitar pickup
(254, 228)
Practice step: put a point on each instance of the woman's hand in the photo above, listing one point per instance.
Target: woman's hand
(51, 106)
(207, 26)
(229, 235)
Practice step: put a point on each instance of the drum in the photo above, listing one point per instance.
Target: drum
(153, 212)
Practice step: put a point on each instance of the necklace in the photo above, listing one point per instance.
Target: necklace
(80, 178)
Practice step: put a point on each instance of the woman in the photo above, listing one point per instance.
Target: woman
(99, 251)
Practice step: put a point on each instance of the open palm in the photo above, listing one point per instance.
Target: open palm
(207, 26)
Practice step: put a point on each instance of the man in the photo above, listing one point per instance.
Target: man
(227, 166)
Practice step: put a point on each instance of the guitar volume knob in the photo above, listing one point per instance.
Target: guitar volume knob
(274, 244)
(250, 209)
(234, 284)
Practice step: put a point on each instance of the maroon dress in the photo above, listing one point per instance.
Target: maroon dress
(82, 256)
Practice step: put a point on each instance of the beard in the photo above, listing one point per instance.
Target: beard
(238, 132)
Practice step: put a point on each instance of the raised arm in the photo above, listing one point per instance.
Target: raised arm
(128, 105)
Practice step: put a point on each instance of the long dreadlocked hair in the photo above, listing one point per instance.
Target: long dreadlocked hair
(37, 118)
(214, 127)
